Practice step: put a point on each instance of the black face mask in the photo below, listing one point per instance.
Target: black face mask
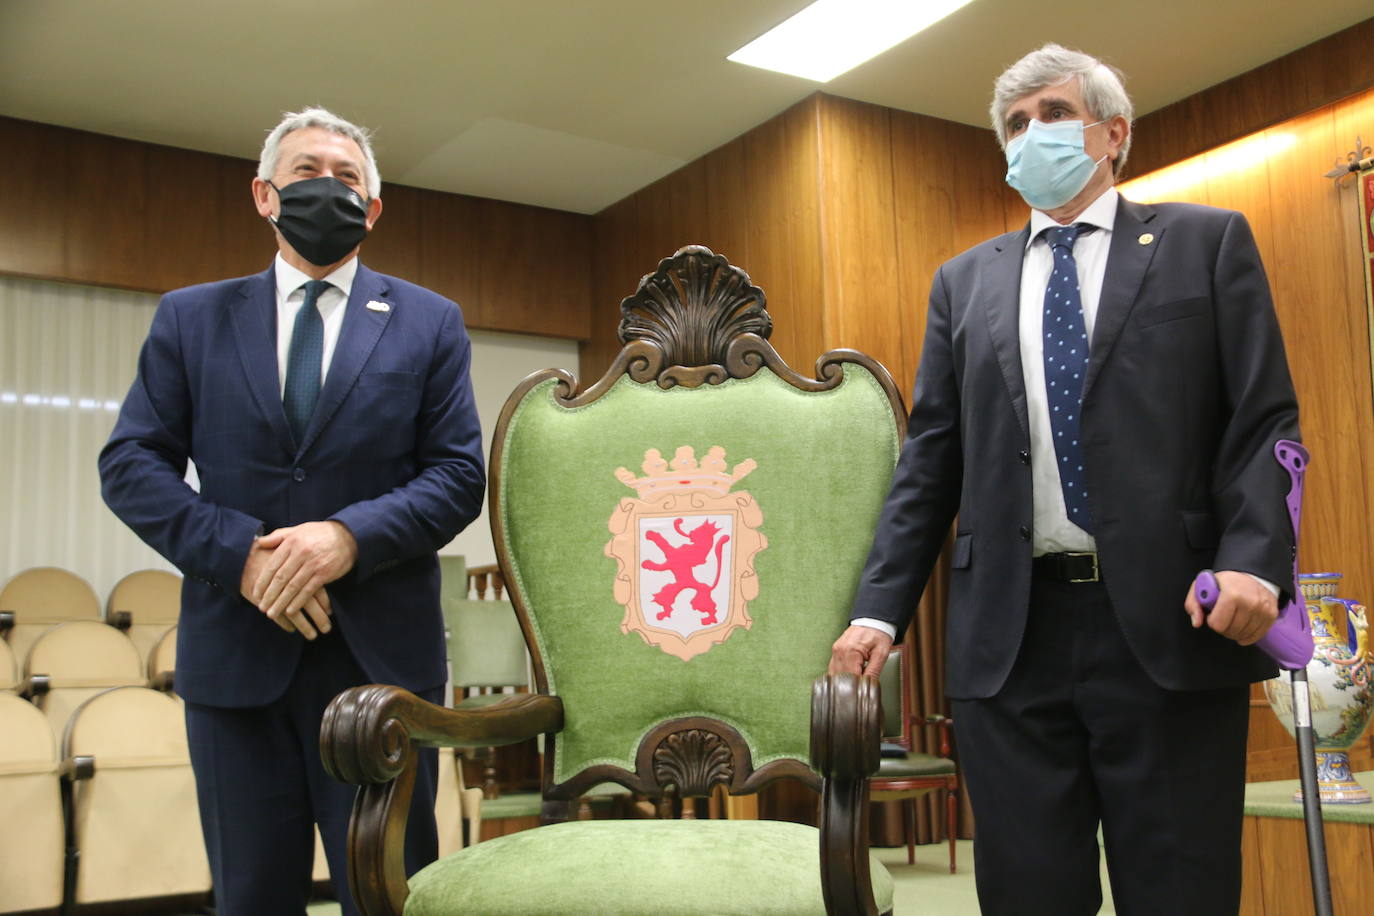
(322, 218)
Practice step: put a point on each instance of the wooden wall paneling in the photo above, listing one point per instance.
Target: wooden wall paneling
(38, 159)
(448, 255)
(1286, 886)
(393, 246)
(199, 223)
(1252, 878)
(859, 236)
(110, 242)
(1323, 72)
(729, 218)
(612, 230)
(1330, 369)
(781, 174)
(1350, 860)
(531, 270)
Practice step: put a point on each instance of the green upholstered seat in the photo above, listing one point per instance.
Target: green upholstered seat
(647, 867)
(914, 764)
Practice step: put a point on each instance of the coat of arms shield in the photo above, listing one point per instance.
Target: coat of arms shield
(685, 550)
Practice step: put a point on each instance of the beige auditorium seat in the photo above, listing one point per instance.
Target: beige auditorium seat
(134, 816)
(30, 810)
(35, 599)
(9, 669)
(71, 662)
(162, 660)
(145, 604)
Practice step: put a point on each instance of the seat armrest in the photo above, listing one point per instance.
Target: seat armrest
(6, 623)
(121, 620)
(846, 730)
(367, 737)
(946, 726)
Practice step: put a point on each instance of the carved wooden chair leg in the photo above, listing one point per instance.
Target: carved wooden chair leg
(909, 829)
(952, 820)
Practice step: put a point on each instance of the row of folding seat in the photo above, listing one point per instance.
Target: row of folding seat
(143, 604)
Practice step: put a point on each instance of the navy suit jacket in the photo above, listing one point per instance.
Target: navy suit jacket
(393, 451)
(1186, 392)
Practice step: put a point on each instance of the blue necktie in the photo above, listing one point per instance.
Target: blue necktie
(303, 362)
(1066, 362)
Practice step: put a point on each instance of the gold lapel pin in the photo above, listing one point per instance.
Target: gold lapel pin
(1147, 238)
(376, 306)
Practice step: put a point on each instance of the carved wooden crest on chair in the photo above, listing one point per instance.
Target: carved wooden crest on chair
(671, 676)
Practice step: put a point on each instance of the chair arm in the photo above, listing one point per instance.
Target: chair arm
(946, 725)
(6, 623)
(121, 620)
(367, 738)
(846, 729)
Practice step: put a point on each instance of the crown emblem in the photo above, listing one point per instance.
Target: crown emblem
(684, 473)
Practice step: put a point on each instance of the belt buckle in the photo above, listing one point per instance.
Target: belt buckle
(1096, 576)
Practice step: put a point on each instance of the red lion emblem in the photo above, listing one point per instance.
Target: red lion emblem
(680, 560)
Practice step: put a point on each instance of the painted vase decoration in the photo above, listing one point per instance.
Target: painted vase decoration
(1340, 683)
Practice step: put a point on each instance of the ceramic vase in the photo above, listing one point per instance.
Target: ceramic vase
(1340, 685)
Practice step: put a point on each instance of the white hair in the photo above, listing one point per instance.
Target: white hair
(319, 117)
(1102, 85)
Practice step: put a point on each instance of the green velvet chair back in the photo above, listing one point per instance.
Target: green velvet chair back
(485, 645)
(682, 541)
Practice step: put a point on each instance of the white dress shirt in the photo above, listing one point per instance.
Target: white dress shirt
(290, 297)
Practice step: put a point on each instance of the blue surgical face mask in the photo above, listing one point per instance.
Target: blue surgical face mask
(1047, 165)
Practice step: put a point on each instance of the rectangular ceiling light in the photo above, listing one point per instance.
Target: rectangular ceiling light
(830, 37)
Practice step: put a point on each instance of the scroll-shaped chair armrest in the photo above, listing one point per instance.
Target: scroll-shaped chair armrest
(846, 729)
(367, 738)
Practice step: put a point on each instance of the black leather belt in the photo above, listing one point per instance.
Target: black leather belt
(1066, 567)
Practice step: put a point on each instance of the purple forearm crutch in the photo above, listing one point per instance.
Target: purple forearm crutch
(1289, 642)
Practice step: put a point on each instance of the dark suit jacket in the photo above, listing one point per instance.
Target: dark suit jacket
(1187, 391)
(394, 451)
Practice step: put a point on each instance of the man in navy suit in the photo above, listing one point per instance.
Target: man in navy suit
(328, 412)
(1098, 399)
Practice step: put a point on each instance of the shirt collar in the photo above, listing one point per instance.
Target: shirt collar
(1100, 213)
(289, 279)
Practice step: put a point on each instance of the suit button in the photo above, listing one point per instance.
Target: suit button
(1024, 456)
(298, 475)
(1025, 533)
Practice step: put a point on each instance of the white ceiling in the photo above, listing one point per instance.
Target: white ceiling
(570, 105)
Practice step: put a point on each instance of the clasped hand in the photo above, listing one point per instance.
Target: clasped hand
(287, 570)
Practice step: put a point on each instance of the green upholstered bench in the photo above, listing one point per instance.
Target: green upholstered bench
(681, 541)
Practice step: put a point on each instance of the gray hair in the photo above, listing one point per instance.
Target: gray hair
(319, 117)
(1102, 85)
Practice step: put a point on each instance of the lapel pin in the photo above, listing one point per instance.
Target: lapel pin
(376, 306)
(1147, 238)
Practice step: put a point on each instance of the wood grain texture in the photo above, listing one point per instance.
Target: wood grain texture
(1277, 878)
(85, 208)
(1323, 72)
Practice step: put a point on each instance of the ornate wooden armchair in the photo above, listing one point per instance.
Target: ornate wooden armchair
(682, 542)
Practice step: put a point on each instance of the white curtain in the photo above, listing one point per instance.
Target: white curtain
(67, 357)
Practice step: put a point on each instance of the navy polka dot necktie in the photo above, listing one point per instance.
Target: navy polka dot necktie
(304, 361)
(1066, 362)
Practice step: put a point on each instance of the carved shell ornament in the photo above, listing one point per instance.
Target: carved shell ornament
(693, 761)
(693, 308)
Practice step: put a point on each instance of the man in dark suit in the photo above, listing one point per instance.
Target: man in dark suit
(328, 412)
(1091, 484)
